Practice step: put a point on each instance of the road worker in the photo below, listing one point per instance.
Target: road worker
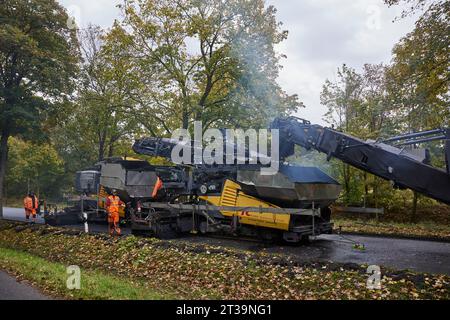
(113, 203)
(31, 204)
(157, 187)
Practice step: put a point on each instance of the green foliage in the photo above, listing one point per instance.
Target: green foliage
(343, 98)
(362, 105)
(169, 63)
(38, 56)
(37, 62)
(345, 102)
(418, 78)
(38, 165)
(100, 116)
(212, 61)
(409, 95)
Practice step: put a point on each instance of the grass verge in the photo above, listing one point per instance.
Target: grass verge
(51, 278)
(200, 271)
(422, 230)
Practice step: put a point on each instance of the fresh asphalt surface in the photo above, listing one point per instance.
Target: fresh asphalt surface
(415, 255)
(18, 214)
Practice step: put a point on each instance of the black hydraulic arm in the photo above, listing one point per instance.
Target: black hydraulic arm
(392, 163)
(155, 147)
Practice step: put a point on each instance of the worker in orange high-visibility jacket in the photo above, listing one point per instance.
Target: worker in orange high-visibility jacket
(113, 203)
(31, 205)
(157, 187)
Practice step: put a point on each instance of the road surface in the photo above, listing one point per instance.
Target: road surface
(18, 214)
(416, 255)
(11, 289)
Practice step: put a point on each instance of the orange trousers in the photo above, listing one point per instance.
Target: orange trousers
(29, 212)
(113, 222)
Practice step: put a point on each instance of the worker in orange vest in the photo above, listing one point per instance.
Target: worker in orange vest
(113, 203)
(157, 187)
(31, 204)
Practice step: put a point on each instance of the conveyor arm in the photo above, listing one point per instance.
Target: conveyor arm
(392, 163)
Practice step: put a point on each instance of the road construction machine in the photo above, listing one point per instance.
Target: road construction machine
(292, 204)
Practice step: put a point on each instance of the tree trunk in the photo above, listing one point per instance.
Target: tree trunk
(101, 147)
(346, 183)
(185, 119)
(414, 208)
(366, 189)
(100, 153)
(3, 161)
(377, 191)
(111, 150)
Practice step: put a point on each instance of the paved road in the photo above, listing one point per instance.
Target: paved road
(417, 255)
(18, 214)
(11, 289)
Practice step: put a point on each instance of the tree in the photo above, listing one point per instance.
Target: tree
(414, 5)
(358, 104)
(419, 79)
(100, 115)
(375, 120)
(212, 61)
(34, 166)
(343, 99)
(37, 63)
(376, 112)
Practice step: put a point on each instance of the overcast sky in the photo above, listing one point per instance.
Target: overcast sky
(323, 34)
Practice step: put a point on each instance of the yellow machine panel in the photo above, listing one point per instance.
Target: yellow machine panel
(233, 196)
